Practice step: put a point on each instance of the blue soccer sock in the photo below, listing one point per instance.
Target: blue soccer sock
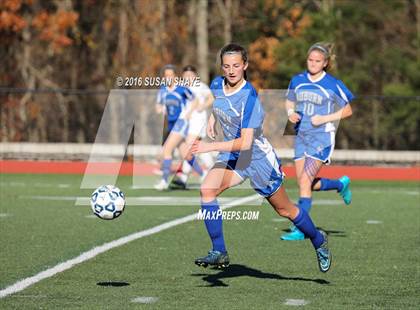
(166, 169)
(214, 224)
(195, 165)
(305, 203)
(304, 223)
(328, 184)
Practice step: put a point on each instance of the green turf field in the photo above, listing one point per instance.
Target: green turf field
(375, 244)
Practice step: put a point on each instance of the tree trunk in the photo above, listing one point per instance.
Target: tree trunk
(202, 40)
(189, 55)
(417, 2)
(225, 8)
(122, 50)
(27, 77)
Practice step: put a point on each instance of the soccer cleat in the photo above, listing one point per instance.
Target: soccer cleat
(345, 191)
(294, 235)
(323, 254)
(177, 183)
(162, 185)
(214, 258)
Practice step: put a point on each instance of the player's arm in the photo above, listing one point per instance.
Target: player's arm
(343, 113)
(291, 113)
(159, 105)
(243, 143)
(290, 103)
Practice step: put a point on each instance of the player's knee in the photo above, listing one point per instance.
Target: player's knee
(207, 192)
(305, 182)
(166, 152)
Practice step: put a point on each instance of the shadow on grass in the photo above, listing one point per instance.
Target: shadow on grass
(334, 233)
(236, 270)
(330, 233)
(113, 283)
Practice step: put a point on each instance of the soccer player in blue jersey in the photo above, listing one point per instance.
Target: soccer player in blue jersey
(315, 100)
(245, 153)
(177, 102)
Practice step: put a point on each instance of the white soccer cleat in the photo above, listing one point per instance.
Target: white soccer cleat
(162, 185)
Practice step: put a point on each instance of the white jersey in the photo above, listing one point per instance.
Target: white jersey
(198, 120)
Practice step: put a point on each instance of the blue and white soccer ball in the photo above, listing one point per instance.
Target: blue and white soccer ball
(107, 202)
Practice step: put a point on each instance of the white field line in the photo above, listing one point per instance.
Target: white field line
(24, 283)
(138, 201)
(145, 300)
(373, 222)
(296, 302)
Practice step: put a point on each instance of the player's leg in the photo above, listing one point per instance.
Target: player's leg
(217, 180)
(311, 167)
(167, 127)
(171, 143)
(306, 171)
(341, 185)
(267, 178)
(300, 148)
(191, 159)
(301, 219)
(295, 234)
(189, 163)
(196, 123)
(194, 133)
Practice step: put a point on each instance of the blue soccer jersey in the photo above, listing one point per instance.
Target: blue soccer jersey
(237, 110)
(242, 109)
(174, 100)
(319, 97)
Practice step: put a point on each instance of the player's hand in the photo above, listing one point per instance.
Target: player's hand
(200, 147)
(294, 118)
(159, 109)
(211, 130)
(317, 120)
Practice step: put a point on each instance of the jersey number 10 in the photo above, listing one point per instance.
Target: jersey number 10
(308, 108)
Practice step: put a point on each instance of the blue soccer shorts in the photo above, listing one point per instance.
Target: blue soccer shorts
(264, 173)
(317, 145)
(180, 127)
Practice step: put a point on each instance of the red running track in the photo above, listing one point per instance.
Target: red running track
(126, 168)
